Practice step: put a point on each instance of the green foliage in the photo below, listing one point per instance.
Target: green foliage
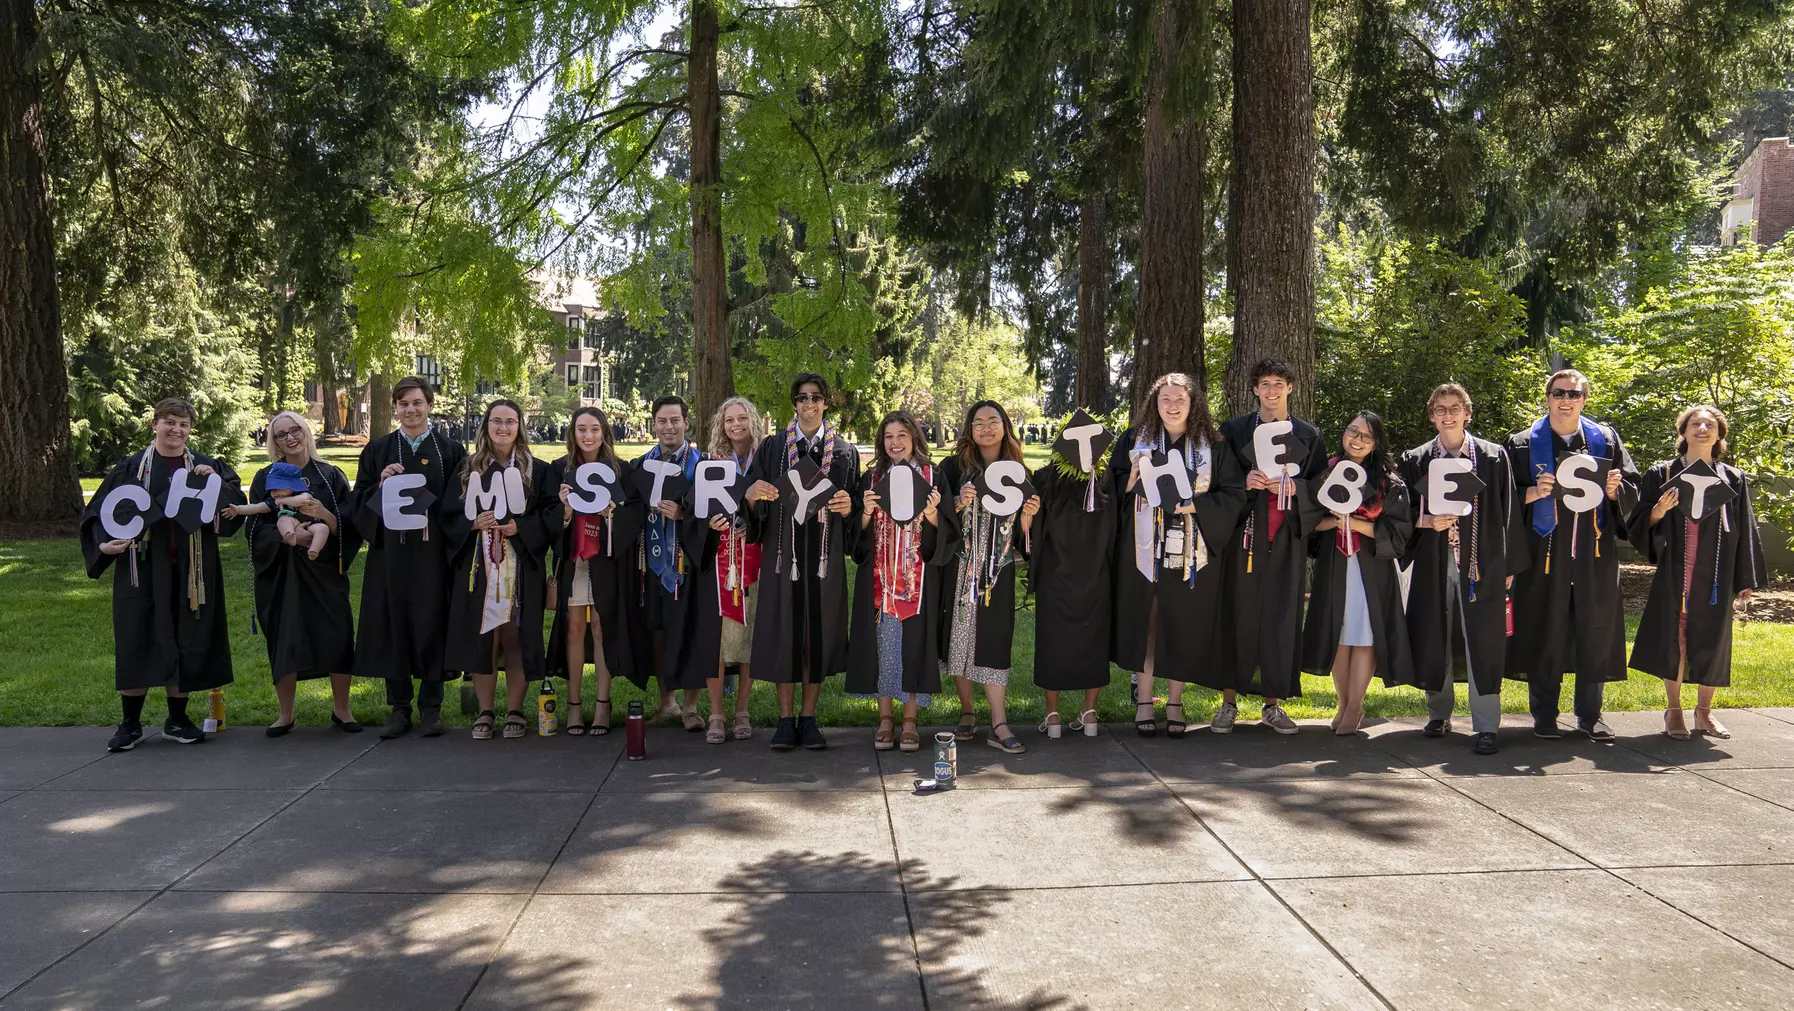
(1393, 320)
(1715, 326)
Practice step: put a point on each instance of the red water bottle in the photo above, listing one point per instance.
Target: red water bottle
(635, 733)
(1510, 616)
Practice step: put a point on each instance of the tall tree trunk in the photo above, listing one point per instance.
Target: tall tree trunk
(37, 459)
(1092, 388)
(327, 388)
(1168, 333)
(712, 377)
(1271, 220)
(379, 406)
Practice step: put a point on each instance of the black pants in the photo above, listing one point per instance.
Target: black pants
(398, 694)
(1545, 691)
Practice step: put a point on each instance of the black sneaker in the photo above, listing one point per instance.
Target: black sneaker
(1485, 743)
(1436, 728)
(810, 733)
(127, 735)
(398, 723)
(784, 737)
(429, 723)
(1546, 729)
(183, 732)
(1597, 731)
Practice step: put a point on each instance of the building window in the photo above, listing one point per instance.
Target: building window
(572, 376)
(429, 370)
(591, 384)
(594, 340)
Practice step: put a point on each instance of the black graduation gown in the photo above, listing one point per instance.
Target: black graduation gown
(466, 648)
(1194, 642)
(994, 623)
(921, 633)
(1069, 573)
(692, 622)
(1264, 579)
(303, 605)
(616, 588)
(1728, 558)
(1545, 641)
(1500, 553)
(158, 641)
(787, 610)
(1377, 558)
(404, 588)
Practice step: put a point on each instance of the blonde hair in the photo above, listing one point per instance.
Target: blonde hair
(719, 439)
(306, 435)
(1451, 390)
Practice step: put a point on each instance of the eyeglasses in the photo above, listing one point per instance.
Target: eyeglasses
(987, 426)
(1358, 435)
(1565, 394)
(289, 435)
(809, 398)
(1454, 411)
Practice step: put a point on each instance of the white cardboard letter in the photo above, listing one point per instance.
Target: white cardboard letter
(661, 469)
(711, 481)
(1343, 491)
(1697, 508)
(482, 499)
(393, 502)
(1082, 435)
(1272, 458)
(591, 488)
(1180, 475)
(206, 494)
(806, 495)
(1438, 483)
(900, 508)
(1005, 478)
(1575, 475)
(126, 530)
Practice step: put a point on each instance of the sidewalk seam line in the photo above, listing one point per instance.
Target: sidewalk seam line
(915, 943)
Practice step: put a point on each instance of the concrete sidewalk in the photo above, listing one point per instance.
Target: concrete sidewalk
(1383, 871)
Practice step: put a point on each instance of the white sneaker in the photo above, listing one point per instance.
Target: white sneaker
(1224, 718)
(1278, 720)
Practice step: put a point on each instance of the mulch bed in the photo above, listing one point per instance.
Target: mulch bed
(1775, 604)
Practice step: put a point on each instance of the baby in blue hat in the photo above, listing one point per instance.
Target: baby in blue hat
(286, 486)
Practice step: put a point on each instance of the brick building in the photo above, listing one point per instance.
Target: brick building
(573, 302)
(1762, 203)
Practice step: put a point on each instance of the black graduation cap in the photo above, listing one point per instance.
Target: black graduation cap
(918, 494)
(981, 481)
(187, 512)
(1602, 467)
(1707, 489)
(1460, 487)
(807, 473)
(1170, 495)
(418, 502)
(1099, 443)
(735, 489)
(672, 489)
(1334, 493)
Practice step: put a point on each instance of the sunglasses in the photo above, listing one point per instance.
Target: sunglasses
(1562, 394)
(809, 398)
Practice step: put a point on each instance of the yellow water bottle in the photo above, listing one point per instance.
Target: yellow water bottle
(546, 723)
(215, 704)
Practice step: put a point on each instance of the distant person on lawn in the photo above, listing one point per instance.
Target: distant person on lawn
(404, 591)
(168, 623)
(302, 599)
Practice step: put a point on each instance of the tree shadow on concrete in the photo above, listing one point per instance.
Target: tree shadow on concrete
(822, 950)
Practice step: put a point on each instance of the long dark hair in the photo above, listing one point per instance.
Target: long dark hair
(1379, 464)
(483, 458)
(1200, 423)
(607, 448)
(971, 459)
(918, 445)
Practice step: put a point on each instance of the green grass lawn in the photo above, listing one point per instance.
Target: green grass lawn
(56, 663)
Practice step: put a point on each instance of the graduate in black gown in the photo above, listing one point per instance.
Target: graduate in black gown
(404, 587)
(977, 628)
(1702, 567)
(498, 570)
(1070, 575)
(1170, 563)
(1268, 563)
(1356, 627)
(678, 575)
(898, 589)
(595, 584)
(168, 623)
(735, 433)
(1567, 610)
(302, 602)
(800, 621)
(1461, 567)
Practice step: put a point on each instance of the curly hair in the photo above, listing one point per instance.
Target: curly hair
(720, 446)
